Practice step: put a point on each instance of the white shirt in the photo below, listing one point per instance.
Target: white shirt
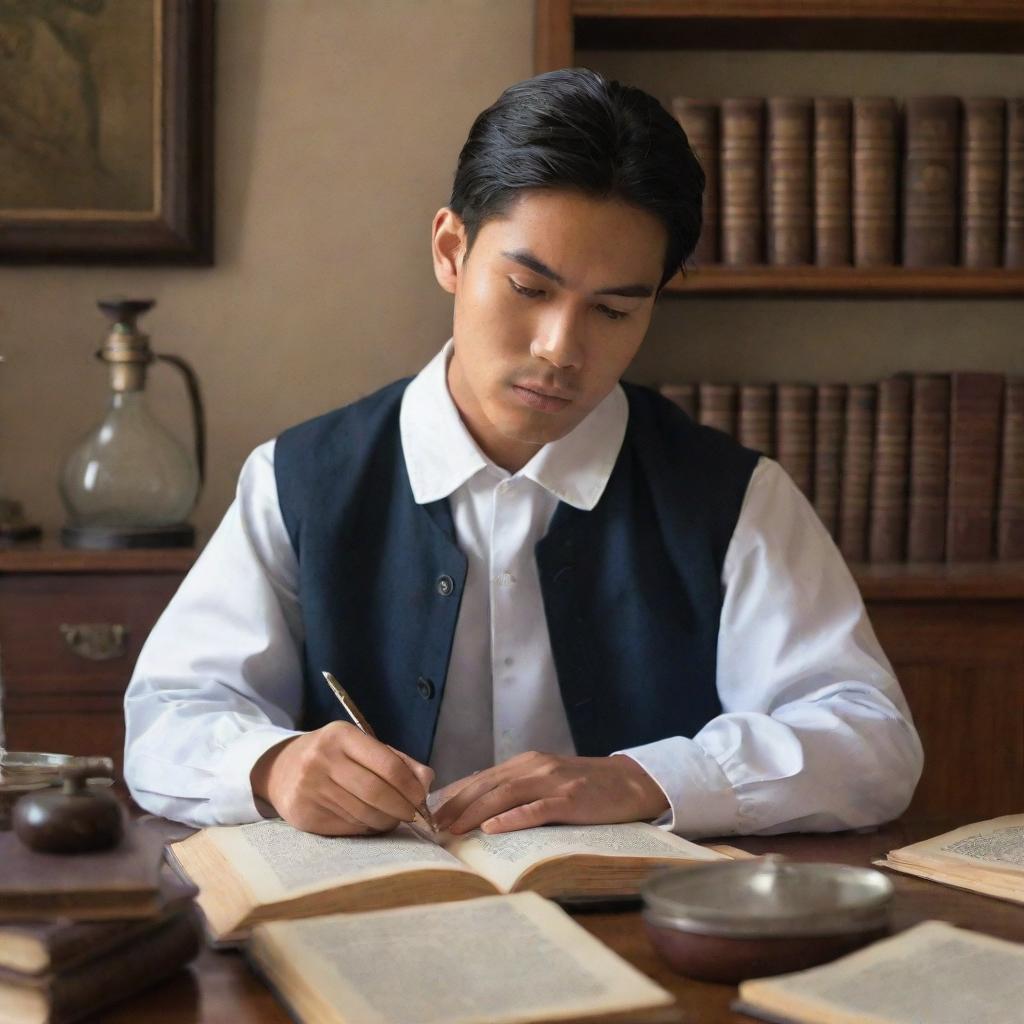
(815, 733)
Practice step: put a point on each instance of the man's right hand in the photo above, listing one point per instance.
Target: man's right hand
(337, 781)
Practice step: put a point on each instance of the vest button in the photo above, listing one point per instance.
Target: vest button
(425, 688)
(445, 585)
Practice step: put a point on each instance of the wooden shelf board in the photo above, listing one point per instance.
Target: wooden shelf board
(51, 558)
(992, 26)
(992, 581)
(940, 282)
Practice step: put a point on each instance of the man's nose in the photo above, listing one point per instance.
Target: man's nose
(559, 340)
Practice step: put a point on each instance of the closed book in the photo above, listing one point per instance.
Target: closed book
(1010, 514)
(855, 473)
(929, 468)
(794, 433)
(56, 944)
(875, 166)
(930, 181)
(684, 395)
(788, 180)
(832, 181)
(92, 985)
(829, 414)
(118, 883)
(983, 154)
(975, 421)
(717, 406)
(1013, 218)
(742, 182)
(888, 516)
(699, 119)
(756, 412)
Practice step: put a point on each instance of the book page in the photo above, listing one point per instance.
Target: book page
(503, 857)
(493, 959)
(933, 972)
(278, 861)
(997, 843)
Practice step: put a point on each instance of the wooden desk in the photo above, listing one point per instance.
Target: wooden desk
(219, 988)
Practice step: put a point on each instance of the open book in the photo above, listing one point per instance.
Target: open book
(493, 960)
(987, 857)
(933, 973)
(270, 870)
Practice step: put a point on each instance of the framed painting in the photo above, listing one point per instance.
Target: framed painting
(106, 131)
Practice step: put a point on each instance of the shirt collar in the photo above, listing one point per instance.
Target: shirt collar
(441, 455)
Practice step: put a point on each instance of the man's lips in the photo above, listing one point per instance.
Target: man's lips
(540, 398)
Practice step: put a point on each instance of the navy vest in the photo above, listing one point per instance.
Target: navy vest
(632, 589)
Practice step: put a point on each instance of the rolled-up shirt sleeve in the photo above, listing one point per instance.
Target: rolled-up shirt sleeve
(815, 733)
(219, 680)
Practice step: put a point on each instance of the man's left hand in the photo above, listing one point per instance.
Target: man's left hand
(539, 789)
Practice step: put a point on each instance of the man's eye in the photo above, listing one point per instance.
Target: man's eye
(612, 314)
(530, 293)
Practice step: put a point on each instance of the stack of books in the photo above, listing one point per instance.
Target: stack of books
(937, 181)
(81, 932)
(913, 468)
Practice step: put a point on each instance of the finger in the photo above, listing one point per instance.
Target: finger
(423, 772)
(551, 810)
(389, 766)
(366, 796)
(320, 817)
(502, 797)
(466, 792)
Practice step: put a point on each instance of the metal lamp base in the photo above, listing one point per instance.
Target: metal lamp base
(106, 538)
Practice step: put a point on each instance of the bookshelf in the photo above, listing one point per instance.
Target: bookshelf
(923, 26)
(952, 632)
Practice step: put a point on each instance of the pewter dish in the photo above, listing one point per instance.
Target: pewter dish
(744, 919)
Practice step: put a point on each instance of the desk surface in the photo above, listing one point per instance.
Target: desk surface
(219, 988)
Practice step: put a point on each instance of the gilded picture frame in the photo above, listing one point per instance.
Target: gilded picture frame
(106, 131)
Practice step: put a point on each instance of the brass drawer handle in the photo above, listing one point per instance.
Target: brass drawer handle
(97, 641)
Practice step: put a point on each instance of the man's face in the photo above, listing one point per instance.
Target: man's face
(551, 306)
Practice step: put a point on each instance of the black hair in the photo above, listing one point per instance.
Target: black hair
(573, 128)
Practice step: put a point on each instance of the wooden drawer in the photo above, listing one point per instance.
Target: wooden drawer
(62, 681)
(38, 614)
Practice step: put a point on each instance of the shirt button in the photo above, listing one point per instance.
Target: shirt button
(445, 585)
(425, 688)
(509, 660)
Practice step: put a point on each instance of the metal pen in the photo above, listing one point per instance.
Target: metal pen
(360, 722)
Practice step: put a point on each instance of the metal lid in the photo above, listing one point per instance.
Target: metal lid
(768, 896)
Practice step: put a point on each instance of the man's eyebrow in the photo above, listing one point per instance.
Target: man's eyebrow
(525, 258)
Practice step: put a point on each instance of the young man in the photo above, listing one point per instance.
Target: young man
(550, 593)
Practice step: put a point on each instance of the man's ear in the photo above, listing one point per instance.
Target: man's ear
(448, 245)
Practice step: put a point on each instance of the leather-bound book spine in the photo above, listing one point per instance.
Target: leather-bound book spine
(929, 469)
(930, 167)
(794, 433)
(975, 435)
(699, 119)
(829, 413)
(832, 177)
(887, 522)
(855, 474)
(684, 395)
(1010, 515)
(982, 157)
(717, 406)
(1013, 237)
(788, 181)
(742, 180)
(112, 976)
(875, 164)
(756, 409)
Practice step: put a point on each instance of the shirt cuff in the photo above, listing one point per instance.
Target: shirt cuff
(702, 802)
(234, 802)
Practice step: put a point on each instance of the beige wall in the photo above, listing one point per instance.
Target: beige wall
(338, 125)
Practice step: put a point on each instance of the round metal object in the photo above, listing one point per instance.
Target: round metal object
(753, 918)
